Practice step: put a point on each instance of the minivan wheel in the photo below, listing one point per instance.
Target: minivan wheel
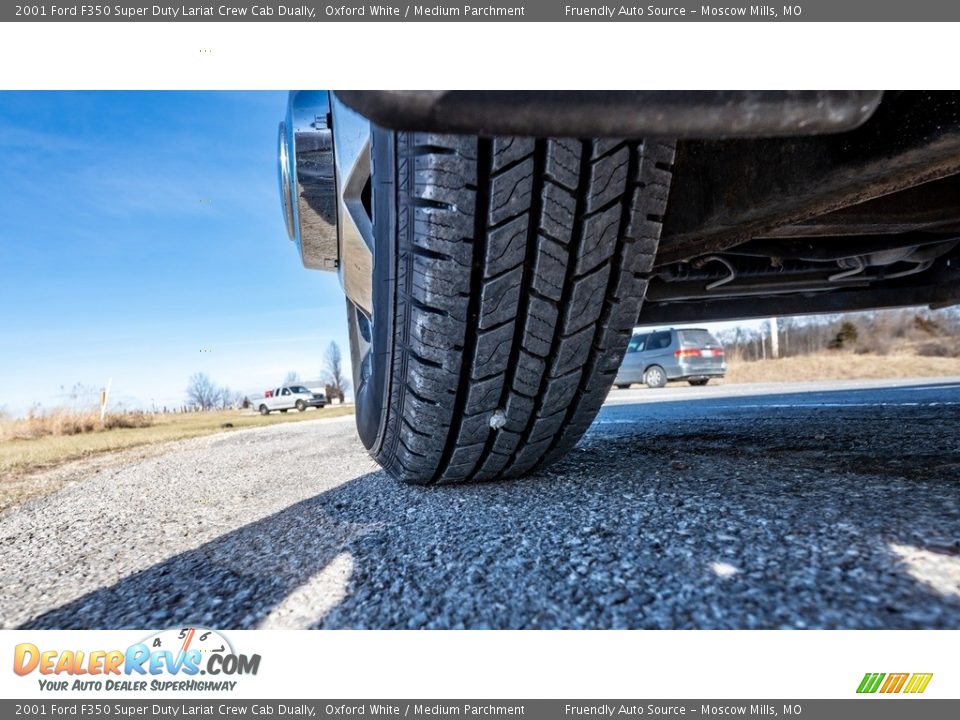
(655, 377)
(699, 383)
(508, 274)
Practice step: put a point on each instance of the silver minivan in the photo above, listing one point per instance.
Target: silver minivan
(654, 358)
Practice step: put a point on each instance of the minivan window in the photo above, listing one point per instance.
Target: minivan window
(636, 343)
(700, 338)
(659, 341)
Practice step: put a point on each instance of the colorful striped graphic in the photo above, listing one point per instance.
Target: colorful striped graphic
(913, 683)
(918, 683)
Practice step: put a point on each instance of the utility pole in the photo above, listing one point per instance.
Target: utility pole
(104, 399)
(774, 339)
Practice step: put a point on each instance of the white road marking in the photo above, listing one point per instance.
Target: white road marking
(789, 406)
(838, 404)
(928, 388)
(678, 393)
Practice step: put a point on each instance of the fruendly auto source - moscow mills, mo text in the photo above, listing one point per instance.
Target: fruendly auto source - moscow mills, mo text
(611, 12)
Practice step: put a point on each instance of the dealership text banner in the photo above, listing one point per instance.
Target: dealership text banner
(500, 10)
(422, 709)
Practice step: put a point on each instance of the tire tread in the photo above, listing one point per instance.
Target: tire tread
(521, 267)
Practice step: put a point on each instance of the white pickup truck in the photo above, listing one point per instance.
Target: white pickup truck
(289, 397)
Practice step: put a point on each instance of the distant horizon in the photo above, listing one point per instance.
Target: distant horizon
(142, 240)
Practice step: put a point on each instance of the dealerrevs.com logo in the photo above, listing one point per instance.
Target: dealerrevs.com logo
(888, 683)
(168, 660)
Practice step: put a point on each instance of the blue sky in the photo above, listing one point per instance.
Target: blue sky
(138, 230)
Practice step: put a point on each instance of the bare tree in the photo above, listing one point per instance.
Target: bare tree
(227, 398)
(876, 332)
(201, 391)
(333, 371)
(292, 378)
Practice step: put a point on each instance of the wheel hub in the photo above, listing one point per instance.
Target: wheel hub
(324, 175)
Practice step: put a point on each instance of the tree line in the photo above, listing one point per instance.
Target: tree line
(204, 394)
(927, 332)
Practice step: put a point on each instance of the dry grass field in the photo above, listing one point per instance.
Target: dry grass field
(69, 422)
(43, 441)
(834, 365)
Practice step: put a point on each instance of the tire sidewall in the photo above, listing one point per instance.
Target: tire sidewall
(372, 388)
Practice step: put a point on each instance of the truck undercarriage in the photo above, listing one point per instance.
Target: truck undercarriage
(497, 248)
(781, 202)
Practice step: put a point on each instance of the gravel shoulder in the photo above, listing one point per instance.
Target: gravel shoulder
(787, 506)
(28, 449)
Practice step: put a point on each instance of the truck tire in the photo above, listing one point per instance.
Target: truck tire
(264, 410)
(508, 275)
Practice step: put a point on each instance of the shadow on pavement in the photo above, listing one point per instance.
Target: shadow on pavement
(686, 515)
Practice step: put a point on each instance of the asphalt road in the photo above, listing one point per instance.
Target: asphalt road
(804, 506)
